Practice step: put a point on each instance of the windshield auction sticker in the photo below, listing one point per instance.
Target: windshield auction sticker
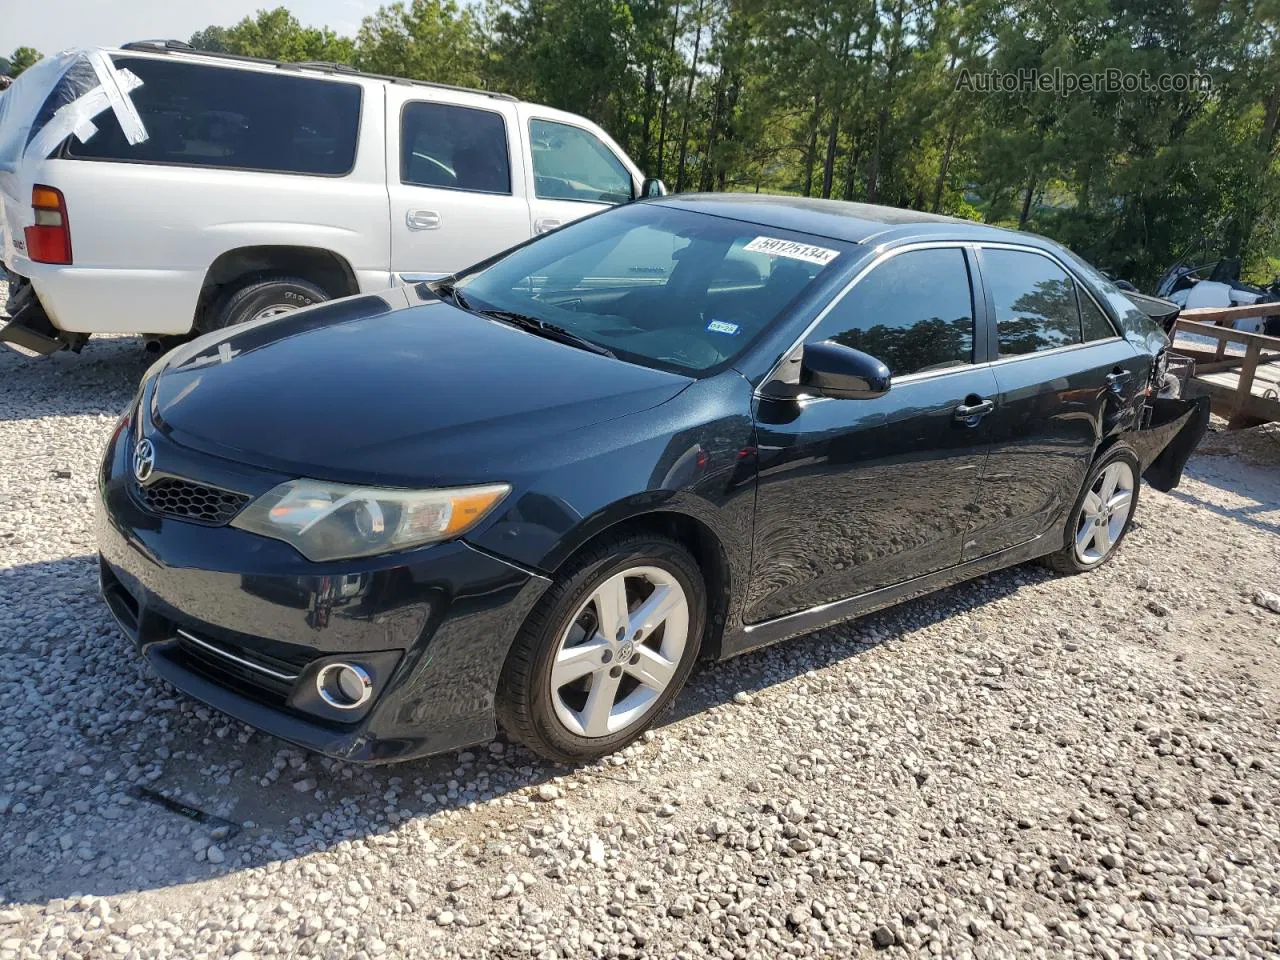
(791, 250)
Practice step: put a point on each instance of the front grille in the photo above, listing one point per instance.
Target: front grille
(172, 497)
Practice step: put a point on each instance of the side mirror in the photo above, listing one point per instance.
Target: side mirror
(831, 369)
(652, 187)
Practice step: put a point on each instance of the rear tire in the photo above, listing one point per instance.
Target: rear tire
(584, 677)
(1102, 515)
(263, 298)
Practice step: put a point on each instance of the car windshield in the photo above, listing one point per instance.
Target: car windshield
(655, 285)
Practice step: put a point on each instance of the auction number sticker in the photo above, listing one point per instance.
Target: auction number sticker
(775, 247)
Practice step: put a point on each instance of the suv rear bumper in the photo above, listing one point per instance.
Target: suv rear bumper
(29, 329)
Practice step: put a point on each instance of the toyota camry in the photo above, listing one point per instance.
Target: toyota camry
(532, 495)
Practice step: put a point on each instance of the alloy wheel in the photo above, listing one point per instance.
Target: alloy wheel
(1104, 513)
(620, 653)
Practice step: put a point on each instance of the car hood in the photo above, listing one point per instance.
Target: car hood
(358, 391)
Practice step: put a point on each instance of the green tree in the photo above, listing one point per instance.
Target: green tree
(212, 39)
(573, 54)
(22, 58)
(860, 99)
(277, 35)
(428, 40)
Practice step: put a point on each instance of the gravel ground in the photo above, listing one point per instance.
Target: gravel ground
(1023, 765)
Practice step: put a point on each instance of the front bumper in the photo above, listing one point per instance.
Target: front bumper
(245, 623)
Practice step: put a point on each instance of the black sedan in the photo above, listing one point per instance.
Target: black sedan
(533, 494)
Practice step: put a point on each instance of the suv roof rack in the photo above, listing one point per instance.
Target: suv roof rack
(323, 66)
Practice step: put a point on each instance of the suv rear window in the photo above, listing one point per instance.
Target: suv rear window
(207, 116)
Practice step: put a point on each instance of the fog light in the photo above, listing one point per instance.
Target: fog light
(344, 685)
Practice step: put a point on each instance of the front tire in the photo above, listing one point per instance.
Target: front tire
(1102, 514)
(606, 650)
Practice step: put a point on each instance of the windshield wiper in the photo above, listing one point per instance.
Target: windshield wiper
(548, 330)
(448, 288)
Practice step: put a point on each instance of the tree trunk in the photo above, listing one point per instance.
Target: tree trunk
(666, 98)
(828, 168)
(1242, 230)
(873, 174)
(688, 101)
(833, 135)
(811, 153)
(728, 130)
(945, 166)
(646, 134)
(882, 116)
(851, 172)
(713, 134)
(1025, 215)
(994, 207)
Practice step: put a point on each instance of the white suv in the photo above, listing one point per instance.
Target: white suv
(158, 190)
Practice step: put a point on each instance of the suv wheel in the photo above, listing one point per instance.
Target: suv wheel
(263, 299)
(605, 651)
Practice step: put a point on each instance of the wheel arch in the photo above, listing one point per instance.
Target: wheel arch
(696, 536)
(329, 271)
(1107, 444)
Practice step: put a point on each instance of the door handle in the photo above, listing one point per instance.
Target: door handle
(422, 220)
(1116, 380)
(970, 413)
(546, 224)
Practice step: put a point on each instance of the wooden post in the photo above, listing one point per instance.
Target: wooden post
(1241, 417)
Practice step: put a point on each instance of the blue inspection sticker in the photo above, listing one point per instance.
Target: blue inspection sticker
(721, 326)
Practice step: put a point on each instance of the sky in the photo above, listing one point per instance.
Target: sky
(53, 25)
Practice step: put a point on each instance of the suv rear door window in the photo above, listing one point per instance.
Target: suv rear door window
(457, 148)
(914, 312)
(208, 116)
(1035, 302)
(571, 164)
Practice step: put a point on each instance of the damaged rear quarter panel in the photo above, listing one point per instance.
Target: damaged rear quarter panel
(1172, 431)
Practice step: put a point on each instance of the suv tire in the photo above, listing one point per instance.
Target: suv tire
(263, 298)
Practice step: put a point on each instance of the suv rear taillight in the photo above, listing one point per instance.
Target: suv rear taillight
(49, 241)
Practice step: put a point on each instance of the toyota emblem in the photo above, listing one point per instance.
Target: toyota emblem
(144, 460)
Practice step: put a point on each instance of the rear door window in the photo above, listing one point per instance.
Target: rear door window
(572, 164)
(457, 148)
(1035, 302)
(1093, 322)
(201, 115)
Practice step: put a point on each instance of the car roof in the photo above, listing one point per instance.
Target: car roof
(844, 220)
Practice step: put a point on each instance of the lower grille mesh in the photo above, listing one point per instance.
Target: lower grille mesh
(172, 497)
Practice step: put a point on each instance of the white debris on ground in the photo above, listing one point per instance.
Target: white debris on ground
(1023, 765)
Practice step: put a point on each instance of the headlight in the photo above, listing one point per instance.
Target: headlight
(334, 521)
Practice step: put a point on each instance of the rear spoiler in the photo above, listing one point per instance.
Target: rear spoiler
(1163, 313)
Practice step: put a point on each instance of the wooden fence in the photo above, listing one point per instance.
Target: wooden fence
(1244, 388)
